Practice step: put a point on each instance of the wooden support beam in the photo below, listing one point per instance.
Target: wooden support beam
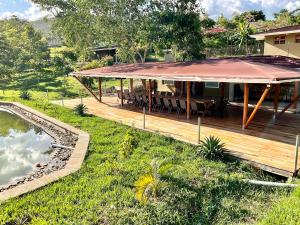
(295, 94)
(122, 94)
(100, 88)
(288, 106)
(222, 90)
(188, 98)
(262, 98)
(131, 85)
(150, 96)
(87, 88)
(276, 98)
(246, 101)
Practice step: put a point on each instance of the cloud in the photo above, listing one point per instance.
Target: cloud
(215, 8)
(34, 12)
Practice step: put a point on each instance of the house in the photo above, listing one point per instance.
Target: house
(264, 137)
(283, 41)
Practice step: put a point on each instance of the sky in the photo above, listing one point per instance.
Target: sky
(30, 11)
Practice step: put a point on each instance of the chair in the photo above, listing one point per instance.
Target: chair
(158, 105)
(145, 101)
(139, 101)
(194, 108)
(167, 105)
(182, 105)
(175, 106)
(119, 93)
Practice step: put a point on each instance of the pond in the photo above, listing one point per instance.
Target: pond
(22, 146)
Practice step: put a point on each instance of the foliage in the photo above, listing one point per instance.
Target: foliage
(80, 110)
(251, 16)
(134, 27)
(202, 191)
(212, 148)
(152, 182)
(105, 61)
(25, 95)
(21, 47)
(128, 144)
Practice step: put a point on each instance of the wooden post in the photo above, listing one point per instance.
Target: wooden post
(276, 99)
(262, 98)
(295, 94)
(188, 99)
(199, 130)
(144, 118)
(100, 88)
(296, 153)
(246, 101)
(122, 96)
(222, 91)
(150, 96)
(131, 85)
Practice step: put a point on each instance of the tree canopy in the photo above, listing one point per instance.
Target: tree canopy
(21, 47)
(135, 26)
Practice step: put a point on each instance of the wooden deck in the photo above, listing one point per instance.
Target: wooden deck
(267, 144)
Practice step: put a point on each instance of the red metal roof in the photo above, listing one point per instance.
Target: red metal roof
(238, 70)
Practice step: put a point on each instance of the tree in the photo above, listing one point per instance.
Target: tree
(131, 25)
(251, 16)
(21, 47)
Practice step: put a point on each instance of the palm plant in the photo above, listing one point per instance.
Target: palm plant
(212, 148)
(80, 109)
(244, 31)
(151, 183)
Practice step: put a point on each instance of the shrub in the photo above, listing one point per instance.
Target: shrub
(25, 95)
(80, 110)
(152, 182)
(105, 61)
(212, 148)
(128, 144)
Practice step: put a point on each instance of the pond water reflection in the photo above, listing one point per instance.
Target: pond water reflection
(22, 146)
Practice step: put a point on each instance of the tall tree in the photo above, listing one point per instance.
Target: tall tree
(21, 46)
(130, 24)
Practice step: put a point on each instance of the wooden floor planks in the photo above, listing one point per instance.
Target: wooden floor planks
(267, 143)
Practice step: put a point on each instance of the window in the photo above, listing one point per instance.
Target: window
(298, 38)
(278, 40)
(212, 85)
(168, 82)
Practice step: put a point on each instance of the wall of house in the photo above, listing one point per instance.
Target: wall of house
(290, 48)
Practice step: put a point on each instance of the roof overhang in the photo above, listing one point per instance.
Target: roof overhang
(212, 70)
(262, 36)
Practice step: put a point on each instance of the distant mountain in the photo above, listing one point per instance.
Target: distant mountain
(44, 26)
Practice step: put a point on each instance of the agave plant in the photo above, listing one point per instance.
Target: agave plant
(212, 148)
(80, 109)
(151, 183)
(25, 95)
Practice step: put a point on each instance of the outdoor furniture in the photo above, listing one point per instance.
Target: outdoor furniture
(145, 101)
(158, 105)
(175, 106)
(182, 105)
(220, 107)
(167, 105)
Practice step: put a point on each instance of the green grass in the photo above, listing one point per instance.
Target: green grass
(102, 192)
(286, 212)
(48, 85)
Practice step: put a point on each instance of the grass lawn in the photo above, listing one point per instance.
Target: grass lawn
(198, 191)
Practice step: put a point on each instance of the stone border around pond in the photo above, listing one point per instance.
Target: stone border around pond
(73, 163)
